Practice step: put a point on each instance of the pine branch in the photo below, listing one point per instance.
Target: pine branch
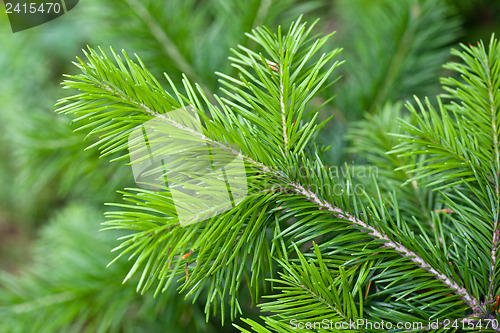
(311, 291)
(492, 88)
(494, 259)
(462, 292)
(283, 112)
(277, 87)
(123, 95)
(371, 139)
(291, 201)
(145, 109)
(462, 139)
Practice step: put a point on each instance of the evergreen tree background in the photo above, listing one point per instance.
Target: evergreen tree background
(52, 257)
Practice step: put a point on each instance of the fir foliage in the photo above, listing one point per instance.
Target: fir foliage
(263, 103)
(339, 254)
(64, 276)
(419, 242)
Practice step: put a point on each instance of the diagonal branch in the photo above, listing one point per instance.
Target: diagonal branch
(202, 136)
(494, 257)
(462, 292)
(283, 111)
(494, 254)
(496, 226)
(323, 301)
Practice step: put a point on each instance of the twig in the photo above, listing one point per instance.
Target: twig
(202, 136)
(462, 292)
(283, 112)
(496, 226)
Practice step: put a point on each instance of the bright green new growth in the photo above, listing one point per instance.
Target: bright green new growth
(326, 254)
(266, 101)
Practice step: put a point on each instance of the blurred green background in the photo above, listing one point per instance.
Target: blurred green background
(52, 192)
